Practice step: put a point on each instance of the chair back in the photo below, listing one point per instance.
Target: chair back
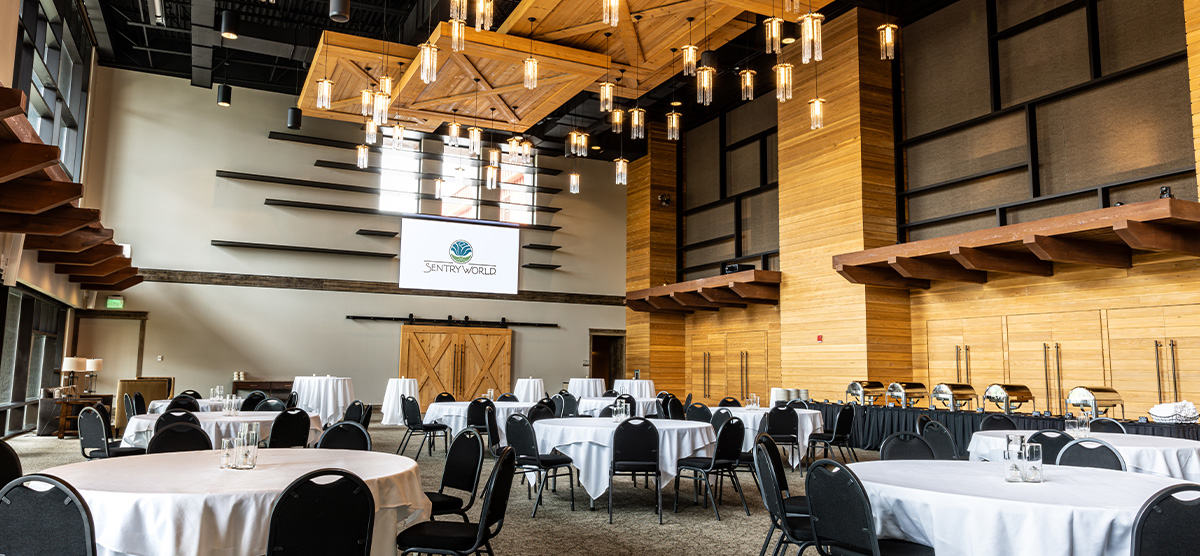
(93, 433)
(923, 420)
(256, 397)
(10, 463)
(522, 439)
(560, 404)
(628, 399)
(765, 440)
(354, 412)
(997, 422)
(44, 521)
(179, 437)
(729, 440)
(477, 412)
(1166, 524)
(444, 397)
(172, 416)
(495, 495)
(843, 424)
(366, 416)
(187, 402)
(271, 404)
(292, 400)
(782, 421)
(139, 403)
(699, 412)
(675, 409)
(570, 405)
(104, 413)
(687, 402)
(493, 430)
(719, 417)
(940, 440)
(508, 397)
(411, 412)
(729, 401)
(464, 463)
(346, 435)
(607, 411)
(1090, 452)
(537, 413)
(610, 393)
(768, 484)
(905, 445)
(290, 429)
(840, 509)
(1052, 441)
(316, 515)
(1107, 424)
(191, 394)
(636, 441)
(130, 408)
(797, 404)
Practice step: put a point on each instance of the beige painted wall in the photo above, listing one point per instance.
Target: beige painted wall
(154, 147)
(10, 17)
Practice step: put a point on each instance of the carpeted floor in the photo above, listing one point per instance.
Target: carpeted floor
(557, 530)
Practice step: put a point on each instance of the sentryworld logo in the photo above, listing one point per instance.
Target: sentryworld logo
(461, 254)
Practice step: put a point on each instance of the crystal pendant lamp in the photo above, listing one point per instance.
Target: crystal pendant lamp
(527, 152)
(617, 117)
(484, 10)
(887, 41)
(574, 180)
(783, 81)
(491, 176)
(475, 141)
(637, 123)
(704, 84)
(611, 11)
(372, 131)
(673, 123)
(514, 150)
(810, 37)
(746, 77)
(773, 29)
(324, 94)
(531, 63)
(816, 113)
(622, 171)
(368, 101)
(606, 96)
(454, 130)
(397, 137)
(458, 31)
(429, 61)
(362, 155)
(438, 183)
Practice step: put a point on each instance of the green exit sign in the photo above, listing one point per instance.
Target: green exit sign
(116, 302)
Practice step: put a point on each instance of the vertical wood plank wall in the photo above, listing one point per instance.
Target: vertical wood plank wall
(837, 195)
(1191, 18)
(654, 341)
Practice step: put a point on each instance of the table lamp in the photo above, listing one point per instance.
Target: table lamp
(94, 366)
(70, 366)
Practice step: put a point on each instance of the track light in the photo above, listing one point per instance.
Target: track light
(229, 24)
(224, 95)
(294, 117)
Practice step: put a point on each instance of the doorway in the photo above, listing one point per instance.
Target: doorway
(607, 360)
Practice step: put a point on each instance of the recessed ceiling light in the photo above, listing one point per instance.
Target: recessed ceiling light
(788, 40)
(676, 103)
(595, 147)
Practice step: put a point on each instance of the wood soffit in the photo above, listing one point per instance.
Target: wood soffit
(1105, 237)
(737, 290)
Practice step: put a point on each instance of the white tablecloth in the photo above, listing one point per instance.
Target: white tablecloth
(1157, 455)
(966, 508)
(586, 387)
(635, 388)
(529, 389)
(393, 414)
(184, 504)
(588, 441)
(327, 396)
(158, 406)
(454, 415)
(141, 427)
(592, 406)
(808, 421)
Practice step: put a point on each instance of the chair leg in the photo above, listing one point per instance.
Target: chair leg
(738, 485)
(571, 481)
(677, 492)
(658, 490)
(541, 480)
(708, 489)
(610, 496)
(767, 540)
(421, 446)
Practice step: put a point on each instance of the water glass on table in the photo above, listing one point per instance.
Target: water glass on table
(245, 446)
(1031, 463)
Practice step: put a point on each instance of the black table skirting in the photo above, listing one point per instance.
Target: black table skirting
(874, 423)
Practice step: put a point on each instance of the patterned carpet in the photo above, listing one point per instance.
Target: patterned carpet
(557, 530)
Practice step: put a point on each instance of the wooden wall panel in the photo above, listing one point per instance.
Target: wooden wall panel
(837, 194)
(703, 324)
(1191, 18)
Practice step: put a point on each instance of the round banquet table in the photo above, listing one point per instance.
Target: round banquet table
(393, 414)
(635, 388)
(326, 396)
(1156, 455)
(966, 508)
(184, 504)
(588, 441)
(808, 421)
(454, 415)
(592, 406)
(159, 406)
(586, 387)
(529, 389)
(140, 428)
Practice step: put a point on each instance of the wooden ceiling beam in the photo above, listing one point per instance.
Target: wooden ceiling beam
(108, 279)
(57, 221)
(31, 196)
(90, 256)
(354, 68)
(692, 300)
(640, 305)
(723, 296)
(597, 26)
(12, 102)
(992, 260)
(666, 304)
(629, 36)
(1068, 250)
(525, 10)
(99, 269)
(21, 159)
(484, 86)
(756, 293)
(489, 92)
(74, 242)
(879, 276)
(1157, 237)
(929, 269)
(120, 286)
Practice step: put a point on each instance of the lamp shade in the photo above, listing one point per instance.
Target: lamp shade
(339, 11)
(95, 365)
(224, 95)
(295, 117)
(74, 364)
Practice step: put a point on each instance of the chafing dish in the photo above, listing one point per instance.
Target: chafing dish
(953, 396)
(906, 393)
(1097, 399)
(865, 391)
(1008, 397)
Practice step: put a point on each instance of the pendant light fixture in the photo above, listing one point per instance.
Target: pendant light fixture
(492, 170)
(810, 35)
(816, 106)
(454, 129)
(429, 57)
(887, 41)
(367, 96)
(325, 86)
(791, 6)
(674, 118)
(514, 149)
(339, 11)
(527, 152)
(531, 63)
(458, 24)
(637, 115)
(578, 142)
(607, 88)
(372, 131)
(229, 24)
(224, 91)
(382, 101)
(397, 137)
(437, 188)
(474, 134)
(783, 81)
(746, 77)
(573, 179)
(773, 30)
(612, 11)
(617, 118)
(622, 167)
(362, 156)
(484, 10)
(706, 71)
(691, 54)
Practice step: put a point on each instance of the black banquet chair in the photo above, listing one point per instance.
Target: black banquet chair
(1052, 441)
(1107, 424)
(444, 397)
(292, 400)
(139, 403)
(940, 439)
(192, 394)
(493, 432)
(607, 411)
(675, 409)
(843, 428)
(539, 412)
(464, 464)
(699, 412)
(797, 404)
(354, 412)
(93, 438)
(997, 422)
(1090, 452)
(256, 397)
(367, 413)
(35, 521)
(792, 505)
(271, 404)
(508, 397)
(610, 393)
(189, 403)
(346, 435)
(905, 445)
(172, 416)
(635, 451)
(729, 401)
(477, 414)
(842, 518)
(783, 426)
(180, 437)
(1166, 524)
(463, 539)
(316, 515)
(290, 429)
(130, 407)
(414, 426)
(796, 528)
(10, 463)
(523, 439)
(721, 464)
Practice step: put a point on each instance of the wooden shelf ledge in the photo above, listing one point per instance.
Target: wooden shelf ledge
(737, 290)
(1105, 237)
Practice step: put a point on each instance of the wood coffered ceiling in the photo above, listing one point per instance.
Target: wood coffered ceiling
(569, 44)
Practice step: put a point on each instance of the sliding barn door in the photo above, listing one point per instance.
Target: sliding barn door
(430, 354)
(486, 363)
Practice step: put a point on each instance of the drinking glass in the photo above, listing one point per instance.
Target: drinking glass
(1031, 465)
(246, 446)
(1012, 466)
(491, 393)
(226, 453)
